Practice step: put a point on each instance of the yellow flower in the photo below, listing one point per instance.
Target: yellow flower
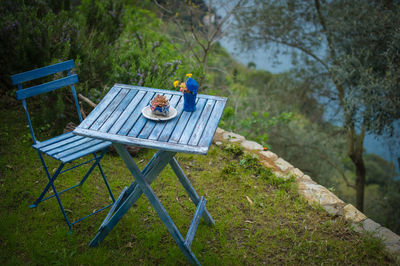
(189, 75)
(176, 82)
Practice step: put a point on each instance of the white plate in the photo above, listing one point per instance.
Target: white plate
(146, 111)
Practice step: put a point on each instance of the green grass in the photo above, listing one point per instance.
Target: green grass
(277, 228)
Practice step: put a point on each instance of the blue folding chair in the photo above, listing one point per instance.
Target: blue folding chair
(65, 148)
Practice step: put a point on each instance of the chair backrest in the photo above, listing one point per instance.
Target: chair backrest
(69, 80)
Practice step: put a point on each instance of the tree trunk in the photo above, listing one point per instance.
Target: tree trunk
(360, 181)
(355, 153)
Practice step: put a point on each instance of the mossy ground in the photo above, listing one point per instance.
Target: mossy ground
(259, 219)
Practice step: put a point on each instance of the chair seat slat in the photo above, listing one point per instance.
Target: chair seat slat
(77, 149)
(47, 142)
(95, 148)
(69, 146)
(61, 143)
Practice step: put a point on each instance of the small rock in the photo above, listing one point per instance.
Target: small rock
(370, 226)
(283, 165)
(281, 175)
(251, 145)
(352, 214)
(268, 164)
(218, 143)
(332, 209)
(317, 193)
(232, 137)
(296, 172)
(393, 248)
(218, 135)
(356, 227)
(388, 236)
(268, 155)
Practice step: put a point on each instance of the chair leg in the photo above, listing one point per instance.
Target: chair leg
(51, 184)
(93, 166)
(97, 162)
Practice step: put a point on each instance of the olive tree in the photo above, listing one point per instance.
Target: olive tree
(349, 49)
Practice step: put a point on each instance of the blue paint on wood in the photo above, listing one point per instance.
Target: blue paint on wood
(110, 109)
(61, 143)
(70, 145)
(76, 149)
(195, 222)
(161, 124)
(205, 116)
(123, 119)
(192, 123)
(136, 114)
(189, 188)
(46, 87)
(42, 72)
(155, 202)
(98, 110)
(212, 124)
(85, 152)
(150, 124)
(53, 140)
(180, 126)
(118, 111)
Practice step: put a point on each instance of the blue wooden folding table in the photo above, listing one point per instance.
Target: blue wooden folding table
(118, 118)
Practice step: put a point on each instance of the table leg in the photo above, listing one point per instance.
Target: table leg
(131, 195)
(189, 189)
(154, 201)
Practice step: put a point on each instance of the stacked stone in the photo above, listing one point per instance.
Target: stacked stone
(311, 191)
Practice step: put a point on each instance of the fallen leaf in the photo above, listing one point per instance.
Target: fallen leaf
(249, 200)
(129, 245)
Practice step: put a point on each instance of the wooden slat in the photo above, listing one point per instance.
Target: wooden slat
(85, 152)
(212, 124)
(191, 125)
(60, 143)
(127, 112)
(150, 124)
(70, 145)
(145, 143)
(136, 114)
(176, 99)
(97, 111)
(140, 122)
(41, 72)
(118, 111)
(109, 110)
(211, 97)
(46, 87)
(205, 116)
(78, 149)
(52, 140)
(180, 126)
(169, 127)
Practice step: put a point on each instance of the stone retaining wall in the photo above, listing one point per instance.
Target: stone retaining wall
(313, 192)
